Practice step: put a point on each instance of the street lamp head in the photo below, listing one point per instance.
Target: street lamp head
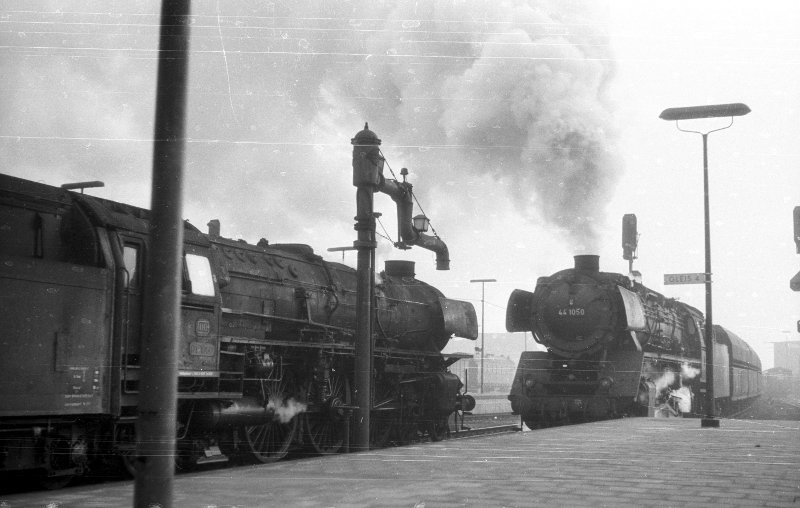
(714, 111)
(420, 223)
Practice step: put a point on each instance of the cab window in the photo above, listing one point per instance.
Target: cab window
(130, 256)
(198, 273)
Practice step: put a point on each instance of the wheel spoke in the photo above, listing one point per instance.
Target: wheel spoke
(270, 441)
(326, 427)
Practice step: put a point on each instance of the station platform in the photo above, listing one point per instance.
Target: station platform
(634, 462)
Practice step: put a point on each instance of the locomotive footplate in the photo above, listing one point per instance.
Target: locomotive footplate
(386, 352)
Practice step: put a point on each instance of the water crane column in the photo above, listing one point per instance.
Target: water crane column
(367, 165)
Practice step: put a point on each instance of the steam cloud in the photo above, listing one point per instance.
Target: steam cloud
(510, 91)
(668, 379)
(481, 100)
(284, 411)
(684, 396)
(689, 372)
(664, 381)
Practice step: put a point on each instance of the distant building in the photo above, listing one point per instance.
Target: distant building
(787, 356)
(498, 373)
(498, 344)
(501, 354)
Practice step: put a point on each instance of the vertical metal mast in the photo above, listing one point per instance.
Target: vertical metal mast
(367, 163)
(155, 447)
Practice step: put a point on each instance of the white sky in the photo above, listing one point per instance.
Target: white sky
(468, 96)
(693, 53)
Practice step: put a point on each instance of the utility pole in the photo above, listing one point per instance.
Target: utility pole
(483, 286)
(157, 411)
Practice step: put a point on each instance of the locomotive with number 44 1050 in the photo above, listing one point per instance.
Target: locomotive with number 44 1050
(615, 347)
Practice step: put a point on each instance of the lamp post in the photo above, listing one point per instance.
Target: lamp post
(693, 113)
(483, 285)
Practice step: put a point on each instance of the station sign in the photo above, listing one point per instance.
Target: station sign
(684, 278)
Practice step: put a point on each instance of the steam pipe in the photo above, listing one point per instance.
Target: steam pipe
(400, 192)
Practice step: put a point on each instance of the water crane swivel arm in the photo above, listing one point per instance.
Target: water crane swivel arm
(401, 194)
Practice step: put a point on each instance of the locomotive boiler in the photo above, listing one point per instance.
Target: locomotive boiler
(266, 349)
(615, 347)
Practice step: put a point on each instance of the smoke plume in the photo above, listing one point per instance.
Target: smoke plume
(499, 105)
(511, 91)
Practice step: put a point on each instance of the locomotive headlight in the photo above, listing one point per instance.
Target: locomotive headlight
(530, 382)
(605, 383)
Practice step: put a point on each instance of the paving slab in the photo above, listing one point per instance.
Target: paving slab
(635, 462)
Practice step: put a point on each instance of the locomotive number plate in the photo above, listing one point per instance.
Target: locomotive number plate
(201, 349)
(572, 311)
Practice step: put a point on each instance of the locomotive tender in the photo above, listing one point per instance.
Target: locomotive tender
(266, 349)
(615, 347)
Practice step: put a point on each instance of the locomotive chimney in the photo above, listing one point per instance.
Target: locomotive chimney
(399, 268)
(587, 263)
(213, 227)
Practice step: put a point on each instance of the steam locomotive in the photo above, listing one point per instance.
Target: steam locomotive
(266, 348)
(615, 347)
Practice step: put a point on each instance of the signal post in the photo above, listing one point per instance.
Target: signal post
(794, 282)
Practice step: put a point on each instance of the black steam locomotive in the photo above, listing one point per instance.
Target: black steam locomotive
(615, 347)
(266, 351)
